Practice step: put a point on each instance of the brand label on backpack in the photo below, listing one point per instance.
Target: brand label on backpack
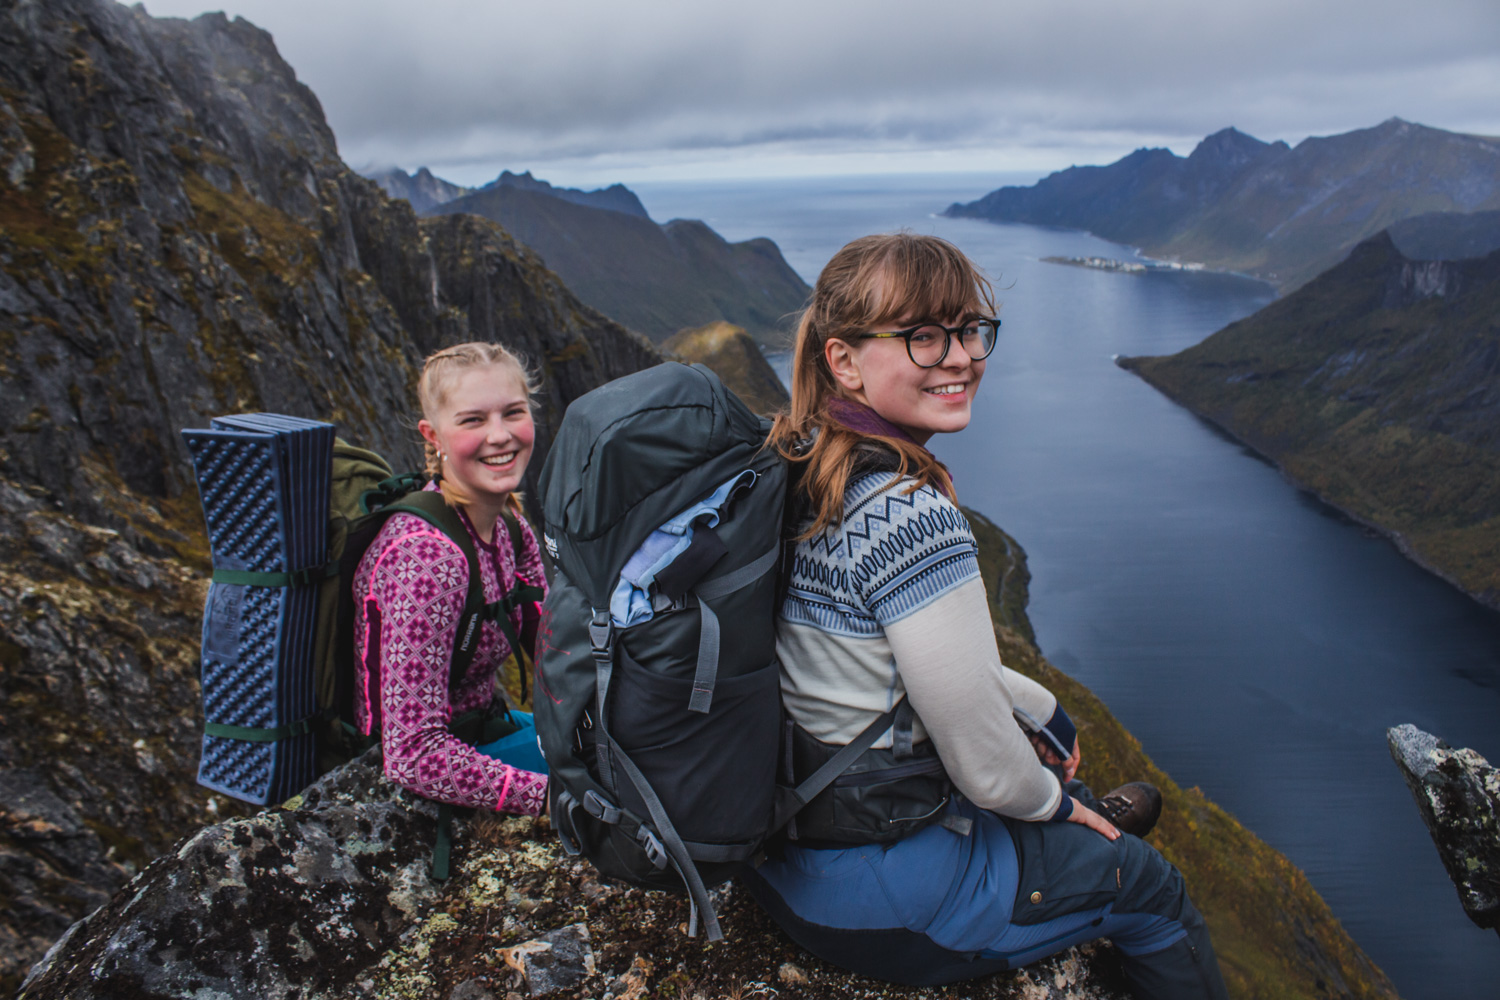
(551, 544)
(469, 629)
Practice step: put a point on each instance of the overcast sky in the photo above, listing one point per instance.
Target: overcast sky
(592, 91)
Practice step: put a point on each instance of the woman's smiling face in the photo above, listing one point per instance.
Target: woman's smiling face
(921, 401)
(484, 431)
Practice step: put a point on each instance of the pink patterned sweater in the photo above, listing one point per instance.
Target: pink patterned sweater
(410, 588)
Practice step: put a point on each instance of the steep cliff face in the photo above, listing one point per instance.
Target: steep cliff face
(178, 239)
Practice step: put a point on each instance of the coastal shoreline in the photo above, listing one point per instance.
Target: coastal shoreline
(1487, 599)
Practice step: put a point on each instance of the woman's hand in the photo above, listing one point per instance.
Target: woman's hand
(1048, 755)
(1083, 814)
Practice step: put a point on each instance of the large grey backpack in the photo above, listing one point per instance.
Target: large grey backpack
(662, 735)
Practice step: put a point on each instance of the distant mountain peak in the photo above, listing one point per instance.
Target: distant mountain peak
(422, 189)
(1282, 213)
(615, 198)
(1230, 147)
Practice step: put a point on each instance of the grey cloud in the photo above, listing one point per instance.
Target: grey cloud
(449, 81)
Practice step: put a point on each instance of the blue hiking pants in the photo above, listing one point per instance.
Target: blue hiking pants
(940, 906)
(519, 749)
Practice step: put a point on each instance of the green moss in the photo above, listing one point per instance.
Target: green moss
(269, 249)
(11, 656)
(121, 847)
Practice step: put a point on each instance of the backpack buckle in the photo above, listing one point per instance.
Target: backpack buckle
(601, 635)
(654, 851)
(599, 809)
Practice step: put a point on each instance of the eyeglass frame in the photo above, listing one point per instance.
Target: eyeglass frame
(949, 333)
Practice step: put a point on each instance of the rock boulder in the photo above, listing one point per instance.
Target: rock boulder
(1458, 794)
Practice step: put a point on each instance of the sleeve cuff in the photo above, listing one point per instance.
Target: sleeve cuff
(1064, 808)
(1061, 729)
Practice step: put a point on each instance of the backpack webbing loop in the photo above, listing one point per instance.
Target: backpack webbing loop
(563, 810)
(602, 643)
(676, 850)
(707, 671)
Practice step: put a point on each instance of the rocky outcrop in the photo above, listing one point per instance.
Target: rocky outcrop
(329, 896)
(1458, 795)
(736, 359)
(179, 239)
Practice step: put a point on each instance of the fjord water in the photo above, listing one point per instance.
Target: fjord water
(1256, 642)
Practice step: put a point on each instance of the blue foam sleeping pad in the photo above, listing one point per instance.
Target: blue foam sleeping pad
(263, 482)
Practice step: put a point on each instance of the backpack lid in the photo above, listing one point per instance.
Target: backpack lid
(631, 454)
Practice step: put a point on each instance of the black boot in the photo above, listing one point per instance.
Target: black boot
(1133, 807)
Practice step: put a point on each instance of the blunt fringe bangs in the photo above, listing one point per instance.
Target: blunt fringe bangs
(873, 281)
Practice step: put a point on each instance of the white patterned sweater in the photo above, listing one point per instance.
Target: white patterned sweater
(890, 602)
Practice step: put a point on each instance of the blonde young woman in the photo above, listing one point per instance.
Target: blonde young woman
(902, 881)
(410, 587)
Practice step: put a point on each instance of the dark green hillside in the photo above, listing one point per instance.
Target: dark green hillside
(1275, 936)
(736, 359)
(1282, 214)
(655, 279)
(1448, 235)
(1376, 386)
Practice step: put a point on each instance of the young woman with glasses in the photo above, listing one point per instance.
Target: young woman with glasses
(959, 845)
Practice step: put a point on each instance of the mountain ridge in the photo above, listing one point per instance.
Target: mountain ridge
(1276, 212)
(657, 279)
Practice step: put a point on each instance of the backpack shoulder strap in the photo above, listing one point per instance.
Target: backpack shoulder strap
(524, 596)
(430, 506)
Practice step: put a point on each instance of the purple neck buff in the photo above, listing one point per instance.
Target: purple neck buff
(862, 420)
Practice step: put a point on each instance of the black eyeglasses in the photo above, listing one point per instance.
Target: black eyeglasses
(927, 343)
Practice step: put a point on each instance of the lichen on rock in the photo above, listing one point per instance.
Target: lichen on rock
(278, 906)
(1458, 794)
